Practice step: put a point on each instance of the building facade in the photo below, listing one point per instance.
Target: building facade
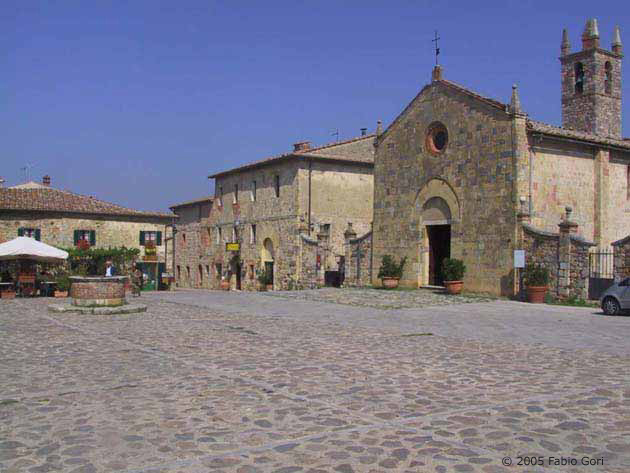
(192, 258)
(61, 218)
(456, 173)
(287, 214)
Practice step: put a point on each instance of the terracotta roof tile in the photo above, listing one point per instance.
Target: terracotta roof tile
(55, 200)
(192, 202)
(551, 130)
(348, 150)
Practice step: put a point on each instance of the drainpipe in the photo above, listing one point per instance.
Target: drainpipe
(310, 170)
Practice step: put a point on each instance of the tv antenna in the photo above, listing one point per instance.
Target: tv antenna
(335, 133)
(26, 170)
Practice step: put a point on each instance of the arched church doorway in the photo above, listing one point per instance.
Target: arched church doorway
(267, 257)
(436, 216)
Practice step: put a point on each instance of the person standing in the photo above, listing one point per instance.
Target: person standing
(137, 281)
(110, 269)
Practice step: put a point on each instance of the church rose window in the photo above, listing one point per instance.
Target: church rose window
(437, 138)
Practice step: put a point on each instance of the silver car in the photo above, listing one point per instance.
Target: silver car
(616, 298)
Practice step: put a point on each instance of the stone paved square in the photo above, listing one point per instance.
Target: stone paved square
(246, 382)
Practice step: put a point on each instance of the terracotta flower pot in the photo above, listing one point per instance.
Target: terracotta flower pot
(454, 287)
(536, 294)
(7, 295)
(269, 287)
(61, 293)
(390, 283)
(225, 285)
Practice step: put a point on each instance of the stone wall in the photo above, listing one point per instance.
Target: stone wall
(621, 250)
(358, 270)
(58, 229)
(564, 254)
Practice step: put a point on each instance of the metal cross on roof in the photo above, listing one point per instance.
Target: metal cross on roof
(437, 49)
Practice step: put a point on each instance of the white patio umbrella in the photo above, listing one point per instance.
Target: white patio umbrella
(31, 249)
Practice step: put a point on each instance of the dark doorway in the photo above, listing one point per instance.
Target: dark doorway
(269, 269)
(439, 249)
(238, 276)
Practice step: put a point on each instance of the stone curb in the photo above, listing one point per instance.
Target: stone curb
(125, 309)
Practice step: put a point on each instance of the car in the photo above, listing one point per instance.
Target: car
(616, 298)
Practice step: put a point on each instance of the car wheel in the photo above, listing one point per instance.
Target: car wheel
(610, 306)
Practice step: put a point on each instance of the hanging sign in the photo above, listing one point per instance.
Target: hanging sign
(232, 247)
(519, 258)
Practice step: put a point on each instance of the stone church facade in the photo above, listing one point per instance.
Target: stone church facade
(457, 174)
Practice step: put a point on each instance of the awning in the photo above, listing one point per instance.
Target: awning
(31, 249)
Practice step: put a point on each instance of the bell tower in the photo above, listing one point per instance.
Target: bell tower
(591, 84)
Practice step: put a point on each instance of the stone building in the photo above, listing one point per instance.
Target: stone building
(456, 174)
(192, 256)
(61, 218)
(288, 213)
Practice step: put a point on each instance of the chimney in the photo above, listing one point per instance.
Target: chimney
(436, 74)
(46, 180)
(302, 146)
(363, 131)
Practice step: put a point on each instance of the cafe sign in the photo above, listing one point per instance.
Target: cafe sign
(232, 247)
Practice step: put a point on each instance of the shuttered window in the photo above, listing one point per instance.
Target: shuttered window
(86, 235)
(30, 232)
(147, 236)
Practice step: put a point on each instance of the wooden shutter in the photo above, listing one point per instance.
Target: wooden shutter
(92, 237)
(76, 237)
(38, 234)
(158, 241)
(20, 231)
(142, 238)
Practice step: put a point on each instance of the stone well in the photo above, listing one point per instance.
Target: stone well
(98, 291)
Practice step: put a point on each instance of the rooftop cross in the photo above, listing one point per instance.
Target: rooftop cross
(437, 49)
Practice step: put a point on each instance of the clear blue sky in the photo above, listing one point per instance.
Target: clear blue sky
(137, 102)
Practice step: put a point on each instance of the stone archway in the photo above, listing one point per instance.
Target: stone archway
(438, 210)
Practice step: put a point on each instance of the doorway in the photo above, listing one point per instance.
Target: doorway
(439, 249)
(238, 275)
(269, 270)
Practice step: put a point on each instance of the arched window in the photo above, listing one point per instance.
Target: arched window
(579, 78)
(608, 80)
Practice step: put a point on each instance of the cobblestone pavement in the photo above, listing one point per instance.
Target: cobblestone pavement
(194, 387)
(379, 298)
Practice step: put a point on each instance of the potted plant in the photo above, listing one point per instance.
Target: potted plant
(390, 272)
(150, 251)
(453, 272)
(83, 244)
(63, 286)
(536, 279)
(225, 284)
(265, 280)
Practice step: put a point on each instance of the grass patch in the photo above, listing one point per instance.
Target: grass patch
(8, 402)
(574, 302)
(424, 334)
